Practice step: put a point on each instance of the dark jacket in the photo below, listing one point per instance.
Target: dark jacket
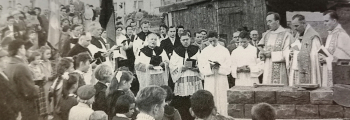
(8, 104)
(77, 49)
(15, 31)
(120, 118)
(66, 105)
(112, 100)
(168, 46)
(19, 72)
(100, 98)
(171, 113)
(67, 46)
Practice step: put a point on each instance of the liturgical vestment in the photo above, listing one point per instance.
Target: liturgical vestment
(305, 65)
(338, 42)
(245, 57)
(275, 67)
(186, 82)
(215, 80)
(151, 76)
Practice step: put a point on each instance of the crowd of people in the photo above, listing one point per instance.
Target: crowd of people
(143, 75)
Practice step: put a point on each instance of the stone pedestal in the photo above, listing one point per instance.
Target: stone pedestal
(289, 103)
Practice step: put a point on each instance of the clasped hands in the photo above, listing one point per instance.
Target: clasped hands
(322, 58)
(264, 54)
(244, 68)
(214, 64)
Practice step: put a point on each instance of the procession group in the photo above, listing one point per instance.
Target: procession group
(180, 74)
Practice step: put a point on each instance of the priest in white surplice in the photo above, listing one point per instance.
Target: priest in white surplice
(337, 44)
(186, 78)
(244, 66)
(151, 64)
(214, 63)
(305, 67)
(275, 51)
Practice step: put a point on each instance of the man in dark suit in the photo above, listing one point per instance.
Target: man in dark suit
(44, 24)
(254, 35)
(145, 30)
(19, 23)
(83, 43)
(68, 44)
(19, 72)
(171, 42)
(14, 31)
(169, 45)
(9, 106)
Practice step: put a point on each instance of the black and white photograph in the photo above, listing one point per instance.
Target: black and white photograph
(175, 60)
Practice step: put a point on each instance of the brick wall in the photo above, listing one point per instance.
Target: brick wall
(289, 103)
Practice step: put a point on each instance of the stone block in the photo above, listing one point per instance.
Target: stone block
(248, 110)
(285, 111)
(240, 96)
(265, 96)
(306, 111)
(322, 96)
(293, 97)
(331, 111)
(236, 110)
(346, 112)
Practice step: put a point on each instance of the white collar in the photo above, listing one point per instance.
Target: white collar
(144, 116)
(307, 27)
(121, 115)
(279, 29)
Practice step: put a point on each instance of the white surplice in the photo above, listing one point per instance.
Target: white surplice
(147, 76)
(315, 65)
(215, 80)
(338, 42)
(187, 82)
(280, 57)
(245, 56)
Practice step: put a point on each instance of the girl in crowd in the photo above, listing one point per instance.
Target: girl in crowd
(62, 91)
(124, 107)
(120, 84)
(77, 20)
(45, 52)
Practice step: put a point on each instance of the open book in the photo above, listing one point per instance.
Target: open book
(329, 57)
(324, 51)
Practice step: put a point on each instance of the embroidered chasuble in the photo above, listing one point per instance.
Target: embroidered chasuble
(338, 42)
(151, 76)
(275, 68)
(305, 63)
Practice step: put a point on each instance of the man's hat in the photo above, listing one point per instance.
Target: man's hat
(86, 92)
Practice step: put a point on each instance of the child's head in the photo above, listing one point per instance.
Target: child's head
(98, 115)
(169, 93)
(45, 52)
(103, 73)
(64, 65)
(125, 105)
(121, 81)
(69, 86)
(34, 58)
(202, 104)
(86, 94)
(82, 61)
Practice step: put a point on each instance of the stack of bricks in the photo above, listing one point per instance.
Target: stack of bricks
(289, 103)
